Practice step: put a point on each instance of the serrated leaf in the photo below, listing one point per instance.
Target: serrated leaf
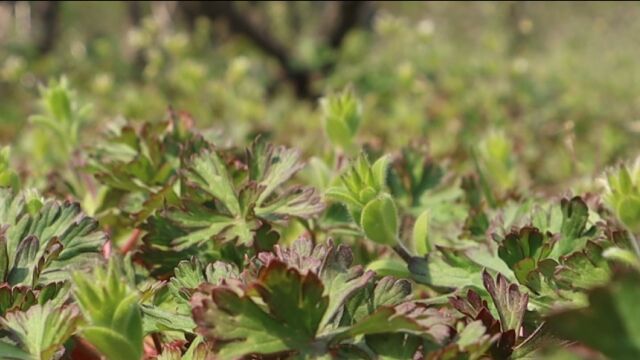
(55, 238)
(223, 205)
(210, 174)
(43, 329)
(584, 269)
(407, 317)
(294, 308)
(527, 243)
(276, 165)
(575, 214)
(509, 301)
(156, 319)
(112, 312)
(395, 346)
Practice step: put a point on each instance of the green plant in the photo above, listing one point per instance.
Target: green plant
(112, 313)
(63, 115)
(199, 248)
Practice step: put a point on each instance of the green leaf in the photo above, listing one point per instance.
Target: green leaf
(8, 177)
(583, 270)
(529, 242)
(12, 352)
(380, 220)
(156, 319)
(360, 184)
(61, 114)
(509, 301)
(408, 317)
(342, 195)
(380, 169)
(388, 291)
(112, 312)
(285, 291)
(209, 173)
(395, 346)
(190, 274)
(332, 263)
(222, 204)
(575, 215)
(342, 114)
(392, 267)
(473, 342)
(40, 246)
(420, 234)
(623, 256)
(271, 166)
(297, 202)
(610, 323)
(293, 308)
(628, 210)
(495, 162)
(443, 272)
(43, 329)
(112, 344)
(58, 236)
(204, 224)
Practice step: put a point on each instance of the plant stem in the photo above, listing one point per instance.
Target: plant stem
(402, 251)
(132, 241)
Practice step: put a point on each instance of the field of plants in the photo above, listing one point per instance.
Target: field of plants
(319, 180)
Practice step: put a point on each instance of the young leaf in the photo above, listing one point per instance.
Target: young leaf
(509, 301)
(8, 177)
(114, 320)
(342, 116)
(359, 185)
(420, 234)
(380, 220)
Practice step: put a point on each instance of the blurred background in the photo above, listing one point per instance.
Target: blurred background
(555, 86)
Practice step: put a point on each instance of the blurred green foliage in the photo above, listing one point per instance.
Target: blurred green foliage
(559, 82)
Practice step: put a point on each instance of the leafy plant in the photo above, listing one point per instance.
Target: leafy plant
(62, 114)
(222, 206)
(342, 115)
(8, 177)
(41, 242)
(114, 319)
(41, 331)
(311, 302)
(203, 248)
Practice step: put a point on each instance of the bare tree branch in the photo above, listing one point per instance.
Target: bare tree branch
(348, 17)
(48, 12)
(299, 77)
(136, 13)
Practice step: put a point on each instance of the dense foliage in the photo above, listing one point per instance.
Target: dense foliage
(351, 227)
